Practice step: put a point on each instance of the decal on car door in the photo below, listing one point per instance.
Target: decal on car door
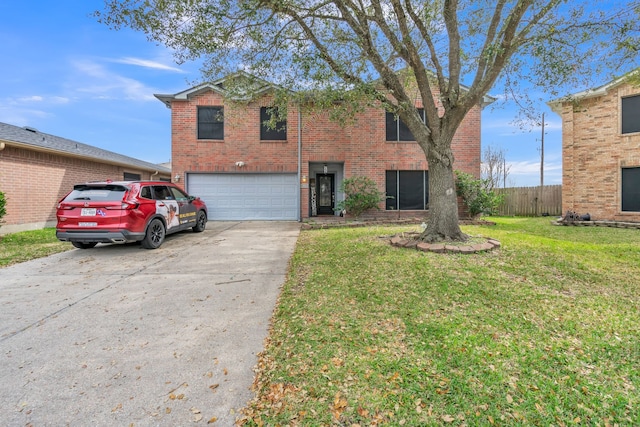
(169, 210)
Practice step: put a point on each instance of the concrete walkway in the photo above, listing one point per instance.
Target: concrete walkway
(119, 335)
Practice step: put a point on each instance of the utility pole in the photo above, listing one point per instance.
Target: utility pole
(504, 172)
(542, 155)
(541, 167)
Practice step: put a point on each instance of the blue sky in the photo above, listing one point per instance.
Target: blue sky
(65, 74)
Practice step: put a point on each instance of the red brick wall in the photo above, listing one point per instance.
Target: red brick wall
(33, 182)
(594, 151)
(241, 139)
(360, 146)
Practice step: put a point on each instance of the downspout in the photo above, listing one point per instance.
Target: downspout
(299, 164)
(152, 175)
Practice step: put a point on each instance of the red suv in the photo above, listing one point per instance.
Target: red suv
(127, 211)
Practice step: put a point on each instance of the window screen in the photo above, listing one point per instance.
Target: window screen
(392, 190)
(210, 122)
(411, 195)
(409, 189)
(396, 130)
(391, 126)
(268, 134)
(631, 114)
(631, 189)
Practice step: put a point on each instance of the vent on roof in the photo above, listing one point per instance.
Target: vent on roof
(30, 129)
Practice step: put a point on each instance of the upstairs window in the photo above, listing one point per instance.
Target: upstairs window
(397, 130)
(279, 133)
(210, 122)
(631, 189)
(407, 190)
(631, 114)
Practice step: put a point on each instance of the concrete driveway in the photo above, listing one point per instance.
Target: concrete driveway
(122, 336)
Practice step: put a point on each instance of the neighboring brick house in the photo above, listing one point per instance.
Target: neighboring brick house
(38, 169)
(601, 150)
(224, 153)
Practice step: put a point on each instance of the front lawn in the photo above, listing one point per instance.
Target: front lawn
(27, 245)
(543, 331)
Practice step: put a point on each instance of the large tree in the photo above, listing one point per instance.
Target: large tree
(448, 53)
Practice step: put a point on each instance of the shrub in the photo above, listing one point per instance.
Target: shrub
(361, 194)
(476, 196)
(3, 203)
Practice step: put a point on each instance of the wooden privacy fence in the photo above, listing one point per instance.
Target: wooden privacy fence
(531, 201)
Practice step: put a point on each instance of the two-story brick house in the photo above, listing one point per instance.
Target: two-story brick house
(223, 151)
(601, 150)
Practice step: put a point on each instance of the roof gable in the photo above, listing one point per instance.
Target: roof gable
(556, 104)
(244, 88)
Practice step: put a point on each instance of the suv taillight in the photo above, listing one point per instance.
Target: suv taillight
(125, 206)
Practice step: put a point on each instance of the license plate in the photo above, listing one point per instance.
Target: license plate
(88, 224)
(88, 212)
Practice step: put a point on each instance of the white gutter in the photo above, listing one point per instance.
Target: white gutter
(299, 198)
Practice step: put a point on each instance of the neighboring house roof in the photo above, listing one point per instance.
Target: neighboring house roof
(30, 138)
(257, 86)
(556, 104)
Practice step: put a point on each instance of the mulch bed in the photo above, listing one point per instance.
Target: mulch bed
(409, 240)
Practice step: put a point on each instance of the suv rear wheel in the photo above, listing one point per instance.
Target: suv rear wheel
(155, 235)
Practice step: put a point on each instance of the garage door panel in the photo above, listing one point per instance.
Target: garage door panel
(247, 196)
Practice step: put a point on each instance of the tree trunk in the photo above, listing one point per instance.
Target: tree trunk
(443, 200)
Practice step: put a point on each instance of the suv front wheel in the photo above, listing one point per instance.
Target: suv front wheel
(201, 222)
(155, 235)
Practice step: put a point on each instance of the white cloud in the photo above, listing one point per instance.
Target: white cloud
(148, 64)
(34, 98)
(102, 83)
(39, 99)
(529, 166)
(527, 173)
(21, 116)
(59, 100)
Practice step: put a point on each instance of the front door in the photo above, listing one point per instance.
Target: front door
(326, 195)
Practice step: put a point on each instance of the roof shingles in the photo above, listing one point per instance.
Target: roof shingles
(25, 136)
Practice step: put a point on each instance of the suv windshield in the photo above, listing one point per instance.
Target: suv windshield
(105, 193)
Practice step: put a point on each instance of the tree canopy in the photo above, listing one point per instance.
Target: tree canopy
(364, 50)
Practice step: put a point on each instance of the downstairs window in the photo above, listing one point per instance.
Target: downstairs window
(631, 189)
(409, 190)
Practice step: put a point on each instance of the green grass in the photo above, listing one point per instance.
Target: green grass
(544, 331)
(27, 245)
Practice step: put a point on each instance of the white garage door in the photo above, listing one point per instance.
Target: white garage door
(247, 196)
